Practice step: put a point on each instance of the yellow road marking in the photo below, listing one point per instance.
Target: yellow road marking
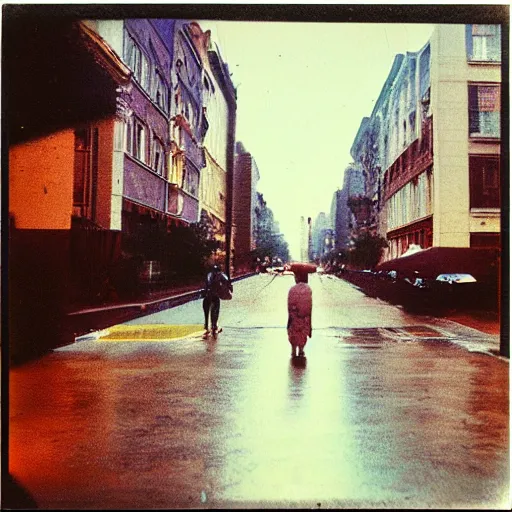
(150, 332)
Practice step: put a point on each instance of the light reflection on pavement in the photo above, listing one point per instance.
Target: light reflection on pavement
(367, 420)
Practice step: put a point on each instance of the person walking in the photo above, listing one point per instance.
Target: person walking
(300, 305)
(217, 286)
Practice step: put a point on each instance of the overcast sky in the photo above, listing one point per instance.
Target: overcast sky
(303, 89)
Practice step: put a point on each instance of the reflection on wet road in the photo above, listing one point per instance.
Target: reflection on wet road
(369, 419)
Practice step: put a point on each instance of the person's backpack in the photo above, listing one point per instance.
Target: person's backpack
(221, 287)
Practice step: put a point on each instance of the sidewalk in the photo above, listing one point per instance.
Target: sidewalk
(85, 319)
(145, 298)
(484, 321)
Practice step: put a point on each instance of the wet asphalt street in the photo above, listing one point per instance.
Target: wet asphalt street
(388, 410)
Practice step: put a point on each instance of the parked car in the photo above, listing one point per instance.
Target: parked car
(455, 278)
(441, 278)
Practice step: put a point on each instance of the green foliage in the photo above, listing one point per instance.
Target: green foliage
(189, 248)
(268, 242)
(367, 250)
(272, 245)
(182, 250)
(148, 241)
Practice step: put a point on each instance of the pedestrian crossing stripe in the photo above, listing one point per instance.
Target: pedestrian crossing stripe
(150, 332)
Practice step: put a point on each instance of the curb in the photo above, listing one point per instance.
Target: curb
(136, 305)
(92, 336)
(87, 323)
(143, 306)
(492, 341)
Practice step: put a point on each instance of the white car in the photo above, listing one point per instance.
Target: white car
(456, 278)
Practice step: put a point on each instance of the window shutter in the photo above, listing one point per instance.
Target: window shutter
(469, 41)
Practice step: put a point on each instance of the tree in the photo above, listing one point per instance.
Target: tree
(367, 250)
(189, 248)
(272, 245)
(267, 240)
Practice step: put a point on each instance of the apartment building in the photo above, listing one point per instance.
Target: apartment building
(104, 160)
(218, 111)
(431, 151)
(188, 126)
(245, 202)
(467, 157)
(343, 219)
(322, 236)
(61, 171)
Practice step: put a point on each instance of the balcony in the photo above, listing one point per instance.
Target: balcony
(193, 151)
(411, 163)
(182, 205)
(143, 185)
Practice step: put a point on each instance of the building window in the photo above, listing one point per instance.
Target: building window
(484, 111)
(136, 139)
(191, 181)
(136, 60)
(483, 43)
(177, 169)
(86, 169)
(157, 157)
(159, 91)
(139, 142)
(82, 167)
(412, 124)
(484, 182)
(189, 113)
(179, 66)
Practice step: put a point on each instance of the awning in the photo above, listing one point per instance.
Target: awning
(482, 264)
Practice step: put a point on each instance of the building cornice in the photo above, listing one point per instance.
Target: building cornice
(104, 55)
(224, 80)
